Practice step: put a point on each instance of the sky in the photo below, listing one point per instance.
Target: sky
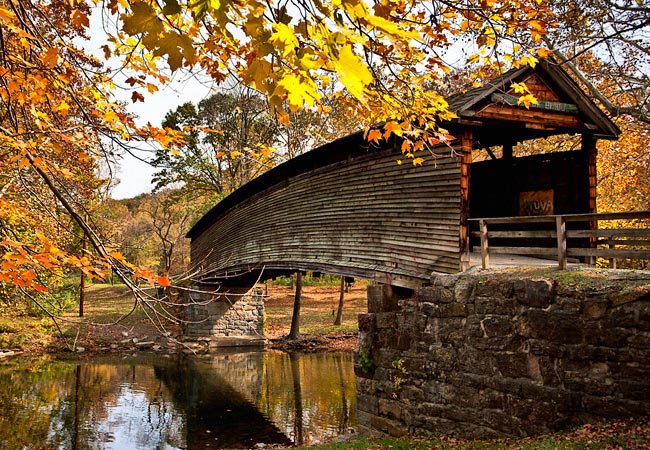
(135, 175)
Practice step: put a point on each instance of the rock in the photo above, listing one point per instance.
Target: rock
(125, 333)
(144, 344)
(80, 349)
(5, 353)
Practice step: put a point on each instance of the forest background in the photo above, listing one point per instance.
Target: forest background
(287, 76)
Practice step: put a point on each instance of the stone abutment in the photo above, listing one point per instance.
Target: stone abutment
(492, 354)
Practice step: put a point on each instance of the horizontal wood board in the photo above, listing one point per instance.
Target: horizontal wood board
(366, 217)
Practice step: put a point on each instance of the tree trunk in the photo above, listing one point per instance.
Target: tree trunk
(339, 312)
(295, 319)
(82, 284)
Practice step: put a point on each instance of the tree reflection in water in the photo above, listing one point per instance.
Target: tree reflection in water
(226, 400)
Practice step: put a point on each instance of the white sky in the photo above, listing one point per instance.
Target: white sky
(134, 174)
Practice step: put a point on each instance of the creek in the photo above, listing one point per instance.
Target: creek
(147, 401)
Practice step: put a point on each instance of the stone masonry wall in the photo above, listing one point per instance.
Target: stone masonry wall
(498, 354)
(235, 314)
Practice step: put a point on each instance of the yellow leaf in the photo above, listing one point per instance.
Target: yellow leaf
(299, 90)
(390, 28)
(544, 52)
(527, 100)
(7, 15)
(285, 37)
(63, 108)
(352, 72)
(118, 255)
(418, 161)
(519, 88)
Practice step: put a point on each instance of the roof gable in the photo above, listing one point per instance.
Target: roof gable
(562, 106)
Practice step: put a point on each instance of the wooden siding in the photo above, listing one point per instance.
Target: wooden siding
(365, 217)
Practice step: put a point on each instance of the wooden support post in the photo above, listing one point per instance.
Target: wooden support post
(612, 261)
(589, 145)
(560, 225)
(465, 162)
(485, 255)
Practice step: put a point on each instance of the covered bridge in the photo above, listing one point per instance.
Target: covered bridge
(347, 208)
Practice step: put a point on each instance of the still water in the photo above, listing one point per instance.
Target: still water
(233, 400)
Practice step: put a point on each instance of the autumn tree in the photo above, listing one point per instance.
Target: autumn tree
(168, 214)
(60, 120)
(229, 141)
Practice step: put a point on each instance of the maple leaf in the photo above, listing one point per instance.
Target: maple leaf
(79, 19)
(374, 135)
(200, 8)
(51, 57)
(352, 72)
(137, 97)
(143, 19)
(299, 90)
(176, 47)
(392, 128)
(527, 100)
(285, 36)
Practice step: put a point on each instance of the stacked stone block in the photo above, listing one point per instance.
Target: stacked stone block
(237, 313)
(491, 355)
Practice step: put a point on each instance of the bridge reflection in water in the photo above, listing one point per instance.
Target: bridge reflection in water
(228, 400)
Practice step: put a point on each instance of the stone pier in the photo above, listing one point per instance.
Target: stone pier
(228, 317)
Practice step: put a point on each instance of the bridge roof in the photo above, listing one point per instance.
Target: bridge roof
(470, 107)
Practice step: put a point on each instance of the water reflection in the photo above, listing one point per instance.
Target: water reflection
(222, 401)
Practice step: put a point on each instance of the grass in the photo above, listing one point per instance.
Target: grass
(317, 311)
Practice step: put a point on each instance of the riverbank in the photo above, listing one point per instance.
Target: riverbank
(111, 323)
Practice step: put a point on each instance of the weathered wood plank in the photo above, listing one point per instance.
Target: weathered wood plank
(609, 253)
(367, 213)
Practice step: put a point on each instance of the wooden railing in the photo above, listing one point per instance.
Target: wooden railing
(591, 241)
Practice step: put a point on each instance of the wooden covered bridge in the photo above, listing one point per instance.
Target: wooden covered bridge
(347, 208)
